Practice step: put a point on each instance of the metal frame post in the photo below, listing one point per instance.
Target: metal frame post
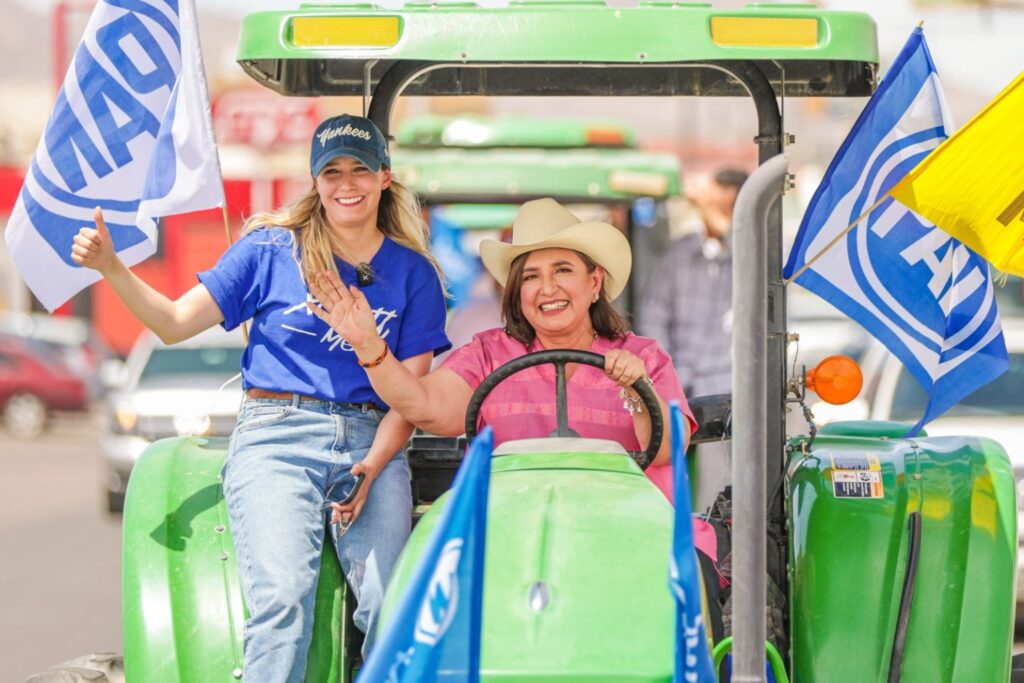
(749, 401)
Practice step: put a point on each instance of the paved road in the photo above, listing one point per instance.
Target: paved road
(60, 552)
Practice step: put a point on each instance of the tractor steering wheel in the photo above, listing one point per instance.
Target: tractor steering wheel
(559, 358)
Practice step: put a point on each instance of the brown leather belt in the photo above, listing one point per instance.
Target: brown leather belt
(289, 396)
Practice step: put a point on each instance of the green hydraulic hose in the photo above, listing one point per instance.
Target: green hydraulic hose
(774, 659)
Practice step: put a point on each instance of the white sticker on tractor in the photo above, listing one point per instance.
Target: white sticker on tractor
(857, 484)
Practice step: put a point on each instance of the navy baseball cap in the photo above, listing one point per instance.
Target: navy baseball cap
(348, 136)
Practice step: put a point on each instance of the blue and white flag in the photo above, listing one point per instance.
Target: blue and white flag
(434, 633)
(131, 133)
(692, 654)
(923, 294)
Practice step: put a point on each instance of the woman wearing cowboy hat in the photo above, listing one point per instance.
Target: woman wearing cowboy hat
(560, 277)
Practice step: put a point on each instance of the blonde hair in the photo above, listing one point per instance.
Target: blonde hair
(398, 217)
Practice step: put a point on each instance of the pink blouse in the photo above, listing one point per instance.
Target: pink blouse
(523, 406)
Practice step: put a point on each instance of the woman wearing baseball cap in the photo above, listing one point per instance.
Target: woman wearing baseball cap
(311, 421)
(560, 276)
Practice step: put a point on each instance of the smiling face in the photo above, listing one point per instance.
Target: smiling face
(556, 292)
(350, 192)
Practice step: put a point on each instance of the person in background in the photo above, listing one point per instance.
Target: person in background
(311, 422)
(687, 306)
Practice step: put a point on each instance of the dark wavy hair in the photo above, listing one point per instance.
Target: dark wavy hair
(607, 321)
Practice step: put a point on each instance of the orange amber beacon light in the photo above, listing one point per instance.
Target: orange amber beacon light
(836, 379)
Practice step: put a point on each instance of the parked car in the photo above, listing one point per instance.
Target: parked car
(178, 390)
(996, 411)
(822, 328)
(82, 352)
(34, 382)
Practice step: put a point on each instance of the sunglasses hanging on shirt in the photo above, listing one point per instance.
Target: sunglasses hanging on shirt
(364, 274)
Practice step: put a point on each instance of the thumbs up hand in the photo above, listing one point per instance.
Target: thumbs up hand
(93, 247)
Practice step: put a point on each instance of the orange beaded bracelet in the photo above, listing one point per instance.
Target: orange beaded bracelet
(376, 361)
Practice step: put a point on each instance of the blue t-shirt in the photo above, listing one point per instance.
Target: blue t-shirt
(292, 350)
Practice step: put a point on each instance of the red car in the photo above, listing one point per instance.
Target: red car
(34, 382)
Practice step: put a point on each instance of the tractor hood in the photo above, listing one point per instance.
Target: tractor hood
(576, 573)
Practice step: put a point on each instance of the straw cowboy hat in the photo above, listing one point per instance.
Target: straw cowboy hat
(546, 224)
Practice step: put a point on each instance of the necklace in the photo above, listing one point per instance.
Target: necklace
(364, 274)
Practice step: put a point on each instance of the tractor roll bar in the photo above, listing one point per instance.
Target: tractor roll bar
(769, 140)
(761, 374)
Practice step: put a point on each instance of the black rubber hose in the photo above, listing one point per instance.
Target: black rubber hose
(899, 642)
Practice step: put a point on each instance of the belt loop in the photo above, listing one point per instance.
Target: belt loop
(296, 398)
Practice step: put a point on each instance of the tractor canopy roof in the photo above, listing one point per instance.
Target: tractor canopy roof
(559, 48)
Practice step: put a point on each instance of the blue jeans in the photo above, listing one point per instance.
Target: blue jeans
(286, 461)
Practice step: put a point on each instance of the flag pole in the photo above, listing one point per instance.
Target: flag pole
(835, 239)
(227, 231)
(227, 223)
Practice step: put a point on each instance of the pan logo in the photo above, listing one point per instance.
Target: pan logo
(922, 281)
(911, 272)
(105, 124)
(894, 266)
(442, 600)
(877, 254)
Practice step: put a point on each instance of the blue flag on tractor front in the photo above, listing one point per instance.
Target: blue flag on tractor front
(923, 294)
(130, 133)
(693, 657)
(434, 632)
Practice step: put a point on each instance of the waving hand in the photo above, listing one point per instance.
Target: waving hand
(345, 309)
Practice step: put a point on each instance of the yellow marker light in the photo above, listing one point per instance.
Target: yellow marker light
(638, 182)
(345, 31)
(764, 32)
(836, 379)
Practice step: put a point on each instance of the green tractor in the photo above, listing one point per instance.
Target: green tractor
(913, 582)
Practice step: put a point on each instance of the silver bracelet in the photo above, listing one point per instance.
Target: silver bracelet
(634, 405)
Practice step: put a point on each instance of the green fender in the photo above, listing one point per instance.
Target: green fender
(597, 533)
(182, 605)
(848, 558)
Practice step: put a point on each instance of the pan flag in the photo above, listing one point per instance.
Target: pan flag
(131, 133)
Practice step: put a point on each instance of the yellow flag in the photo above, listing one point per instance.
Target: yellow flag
(972, 185)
